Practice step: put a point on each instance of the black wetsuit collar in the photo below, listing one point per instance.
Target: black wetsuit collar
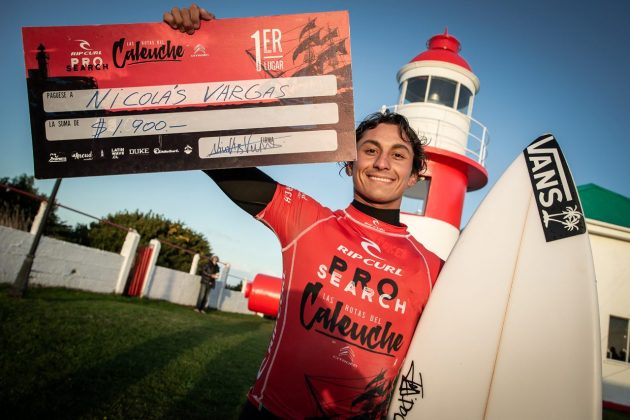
(390, 216)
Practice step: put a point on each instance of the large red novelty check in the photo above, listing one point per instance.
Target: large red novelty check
(114, 99)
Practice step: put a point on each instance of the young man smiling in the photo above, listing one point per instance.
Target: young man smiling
(384, 168)
(355, 281)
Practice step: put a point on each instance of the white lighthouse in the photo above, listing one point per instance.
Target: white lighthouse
(437, 94)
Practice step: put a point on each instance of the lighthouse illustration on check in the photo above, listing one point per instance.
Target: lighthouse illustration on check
(437, 93)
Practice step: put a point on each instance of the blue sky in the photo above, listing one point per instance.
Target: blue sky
(545, 66)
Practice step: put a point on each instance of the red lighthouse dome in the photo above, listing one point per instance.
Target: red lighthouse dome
(443, 47)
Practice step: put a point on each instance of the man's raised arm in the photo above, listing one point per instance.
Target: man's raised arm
(249, 188)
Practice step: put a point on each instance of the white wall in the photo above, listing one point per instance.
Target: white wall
(58, 263)
(173, 286)
(63, 264)
(228, 300)
(14, 245)
(183, 288)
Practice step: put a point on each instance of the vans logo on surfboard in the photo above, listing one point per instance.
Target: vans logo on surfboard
(556, 196)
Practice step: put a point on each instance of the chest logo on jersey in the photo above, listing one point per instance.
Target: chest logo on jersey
(333, 323)
(370, 260)
(371, 247)
(346, 356)
(360, 285)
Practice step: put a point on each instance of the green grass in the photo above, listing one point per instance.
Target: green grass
(77, 355)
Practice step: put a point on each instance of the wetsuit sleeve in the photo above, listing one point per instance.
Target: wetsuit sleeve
(249, 188)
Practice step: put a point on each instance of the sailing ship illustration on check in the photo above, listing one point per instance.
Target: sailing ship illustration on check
(319, 50)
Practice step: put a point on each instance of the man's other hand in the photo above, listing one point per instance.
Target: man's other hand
(187, 19)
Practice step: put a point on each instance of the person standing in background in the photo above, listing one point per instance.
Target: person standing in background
(209, 275)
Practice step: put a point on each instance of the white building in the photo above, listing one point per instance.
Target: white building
(608, 223)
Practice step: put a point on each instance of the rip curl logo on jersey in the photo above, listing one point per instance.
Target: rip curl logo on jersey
(370, 262)
(368, 246)
(375, 224)
(557, 199)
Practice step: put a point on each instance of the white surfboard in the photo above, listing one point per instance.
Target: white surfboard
(511, 330)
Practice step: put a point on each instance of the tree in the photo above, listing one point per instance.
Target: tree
(18, 210)
(151, 226)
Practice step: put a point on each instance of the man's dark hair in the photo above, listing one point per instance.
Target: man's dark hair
(406, 132)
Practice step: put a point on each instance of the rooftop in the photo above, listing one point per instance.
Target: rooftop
(605, 205)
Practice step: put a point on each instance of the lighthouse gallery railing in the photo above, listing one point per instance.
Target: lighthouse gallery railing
(477, 136)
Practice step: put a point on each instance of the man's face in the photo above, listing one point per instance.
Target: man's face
(382, 171)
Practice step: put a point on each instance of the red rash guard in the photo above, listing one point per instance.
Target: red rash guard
(354, 288)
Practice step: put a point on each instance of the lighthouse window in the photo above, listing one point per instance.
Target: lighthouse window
(617, 339)
(442, 91)
(416, 89)
(463, 101)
